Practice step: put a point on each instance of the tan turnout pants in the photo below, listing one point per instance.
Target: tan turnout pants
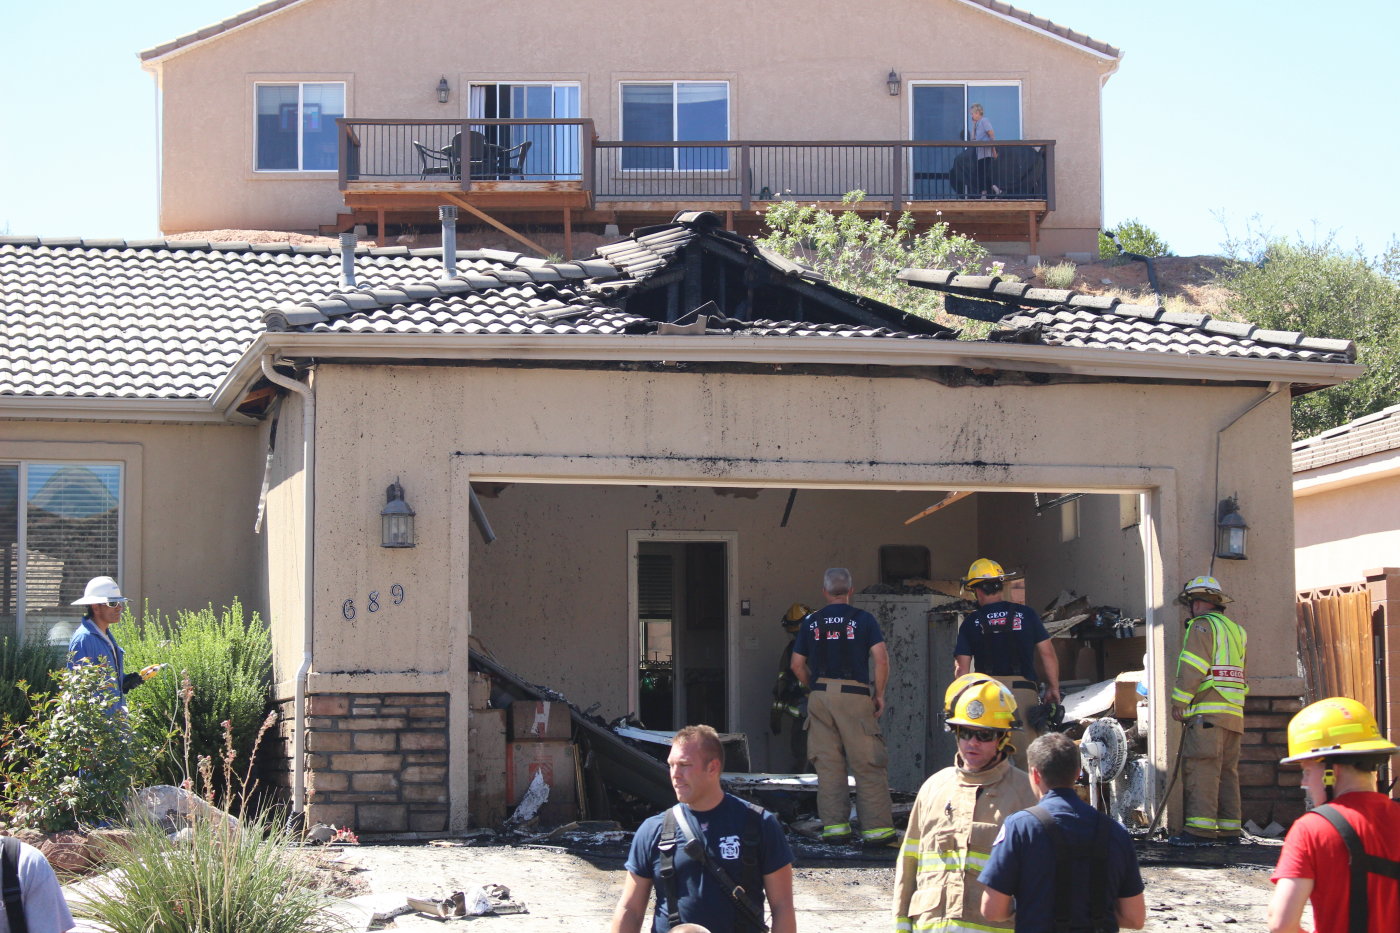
(842, 734)
(1211, 779)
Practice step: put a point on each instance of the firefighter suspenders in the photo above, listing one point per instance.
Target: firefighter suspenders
(677, 826)
(1362, 864)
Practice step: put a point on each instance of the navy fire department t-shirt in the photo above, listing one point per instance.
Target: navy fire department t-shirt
(1001, 638)
(703, 899)
(836, 642)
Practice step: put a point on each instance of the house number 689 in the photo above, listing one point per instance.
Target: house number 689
(396, 591)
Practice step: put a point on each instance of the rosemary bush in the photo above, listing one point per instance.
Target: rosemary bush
(1060, 275)
(227, 661)
(27, 666)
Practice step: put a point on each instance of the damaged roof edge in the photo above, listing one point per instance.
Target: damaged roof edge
(844, 350)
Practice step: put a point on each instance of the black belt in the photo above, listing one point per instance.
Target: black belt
(845, 688)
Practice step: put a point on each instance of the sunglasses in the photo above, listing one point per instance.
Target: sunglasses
(115, 603)
(978, 735)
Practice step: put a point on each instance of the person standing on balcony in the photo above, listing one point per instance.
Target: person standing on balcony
(986, 155)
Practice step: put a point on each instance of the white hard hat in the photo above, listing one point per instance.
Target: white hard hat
(100, 590)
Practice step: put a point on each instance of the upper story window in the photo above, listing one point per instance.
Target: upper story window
(295, 129)
(675, 110)
(60, 526)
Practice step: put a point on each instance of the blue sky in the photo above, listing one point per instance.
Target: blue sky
(1221, 111)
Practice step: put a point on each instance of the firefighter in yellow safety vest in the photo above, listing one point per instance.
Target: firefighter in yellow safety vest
(1209, 700)
(958, 813)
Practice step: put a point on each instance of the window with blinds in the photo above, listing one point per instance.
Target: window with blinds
(60, 525)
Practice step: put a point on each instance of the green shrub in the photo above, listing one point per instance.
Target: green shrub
(862, 256)
(1060, 275)
(75, 760)
(228, 663)
(31, 663)
(1324, 291)
(219, 880)
(1135, 237)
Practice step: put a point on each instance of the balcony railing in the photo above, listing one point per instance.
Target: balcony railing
(460, 152)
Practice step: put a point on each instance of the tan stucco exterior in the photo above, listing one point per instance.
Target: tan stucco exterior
(595, 454)
(189, 502)
(797, 70)
(1348, 520)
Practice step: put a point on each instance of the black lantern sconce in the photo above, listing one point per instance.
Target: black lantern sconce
(396, 518)
(444, 90)
(892, 82)
(1230, 531)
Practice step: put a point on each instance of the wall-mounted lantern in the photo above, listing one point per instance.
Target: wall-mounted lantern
(892, 82)
(1230, 531)
(396, 518)
(444, 90)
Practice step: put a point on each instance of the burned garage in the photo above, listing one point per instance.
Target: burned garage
(611, 478)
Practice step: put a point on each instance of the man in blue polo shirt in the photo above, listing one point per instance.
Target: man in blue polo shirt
(840, 656)
(742, 845)
(1004, 638)
(1094, 886)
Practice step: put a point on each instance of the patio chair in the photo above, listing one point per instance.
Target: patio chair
(445, 161)
(511, 162)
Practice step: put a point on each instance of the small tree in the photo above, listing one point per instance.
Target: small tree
(77, 758)
(1135, 237)
(862, 256)
(1324, 291)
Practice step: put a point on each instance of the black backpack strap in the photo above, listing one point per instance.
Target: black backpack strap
(9, 882)
(748, 916)
(1362, 864)
(666, 845)
(750, 848)
(1063, 881)
(1100, 918)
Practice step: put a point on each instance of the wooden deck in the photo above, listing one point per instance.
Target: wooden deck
(574, 179)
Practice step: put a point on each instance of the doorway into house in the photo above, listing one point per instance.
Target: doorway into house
(938, 112)
(682, 598)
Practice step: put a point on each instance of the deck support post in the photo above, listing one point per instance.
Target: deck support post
(568, 233)
(477, 212)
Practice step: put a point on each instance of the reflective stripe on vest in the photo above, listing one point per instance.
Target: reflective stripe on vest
(1225, 671)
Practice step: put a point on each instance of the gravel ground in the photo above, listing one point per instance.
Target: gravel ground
(574, 889)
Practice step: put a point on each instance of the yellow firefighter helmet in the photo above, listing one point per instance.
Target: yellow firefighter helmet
(981, 702)
(984, 570)
(795, 614)
(1335, 727)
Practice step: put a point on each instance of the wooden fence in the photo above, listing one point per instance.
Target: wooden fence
(1336, 643)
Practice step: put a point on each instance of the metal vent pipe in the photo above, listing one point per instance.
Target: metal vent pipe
(447, 213)
(347, 259)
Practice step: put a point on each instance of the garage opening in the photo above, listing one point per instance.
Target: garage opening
(664, 603)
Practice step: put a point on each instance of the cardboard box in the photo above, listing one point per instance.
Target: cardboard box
(540, 720)
(553, 761)
(479, 690)
(1125, 697)
(486, 767)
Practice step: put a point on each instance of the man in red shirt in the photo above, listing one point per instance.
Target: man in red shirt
(1345, 854)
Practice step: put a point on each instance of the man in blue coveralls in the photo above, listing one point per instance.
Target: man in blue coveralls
(1094, 884)
(696, 853)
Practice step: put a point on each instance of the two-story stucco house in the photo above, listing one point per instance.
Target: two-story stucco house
(320, 114)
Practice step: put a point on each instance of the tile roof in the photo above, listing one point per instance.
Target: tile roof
(1375, 433)
(167, 319)
(1062, 318)
(1041, 23)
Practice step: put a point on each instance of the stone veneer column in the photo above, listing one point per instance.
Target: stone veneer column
(376, 763)
(1269, 792)
(1384, 587)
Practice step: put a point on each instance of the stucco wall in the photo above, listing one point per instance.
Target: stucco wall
(433, 426)
(284, 531)
(779, 58)
(1345, 531)
(190, 499)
